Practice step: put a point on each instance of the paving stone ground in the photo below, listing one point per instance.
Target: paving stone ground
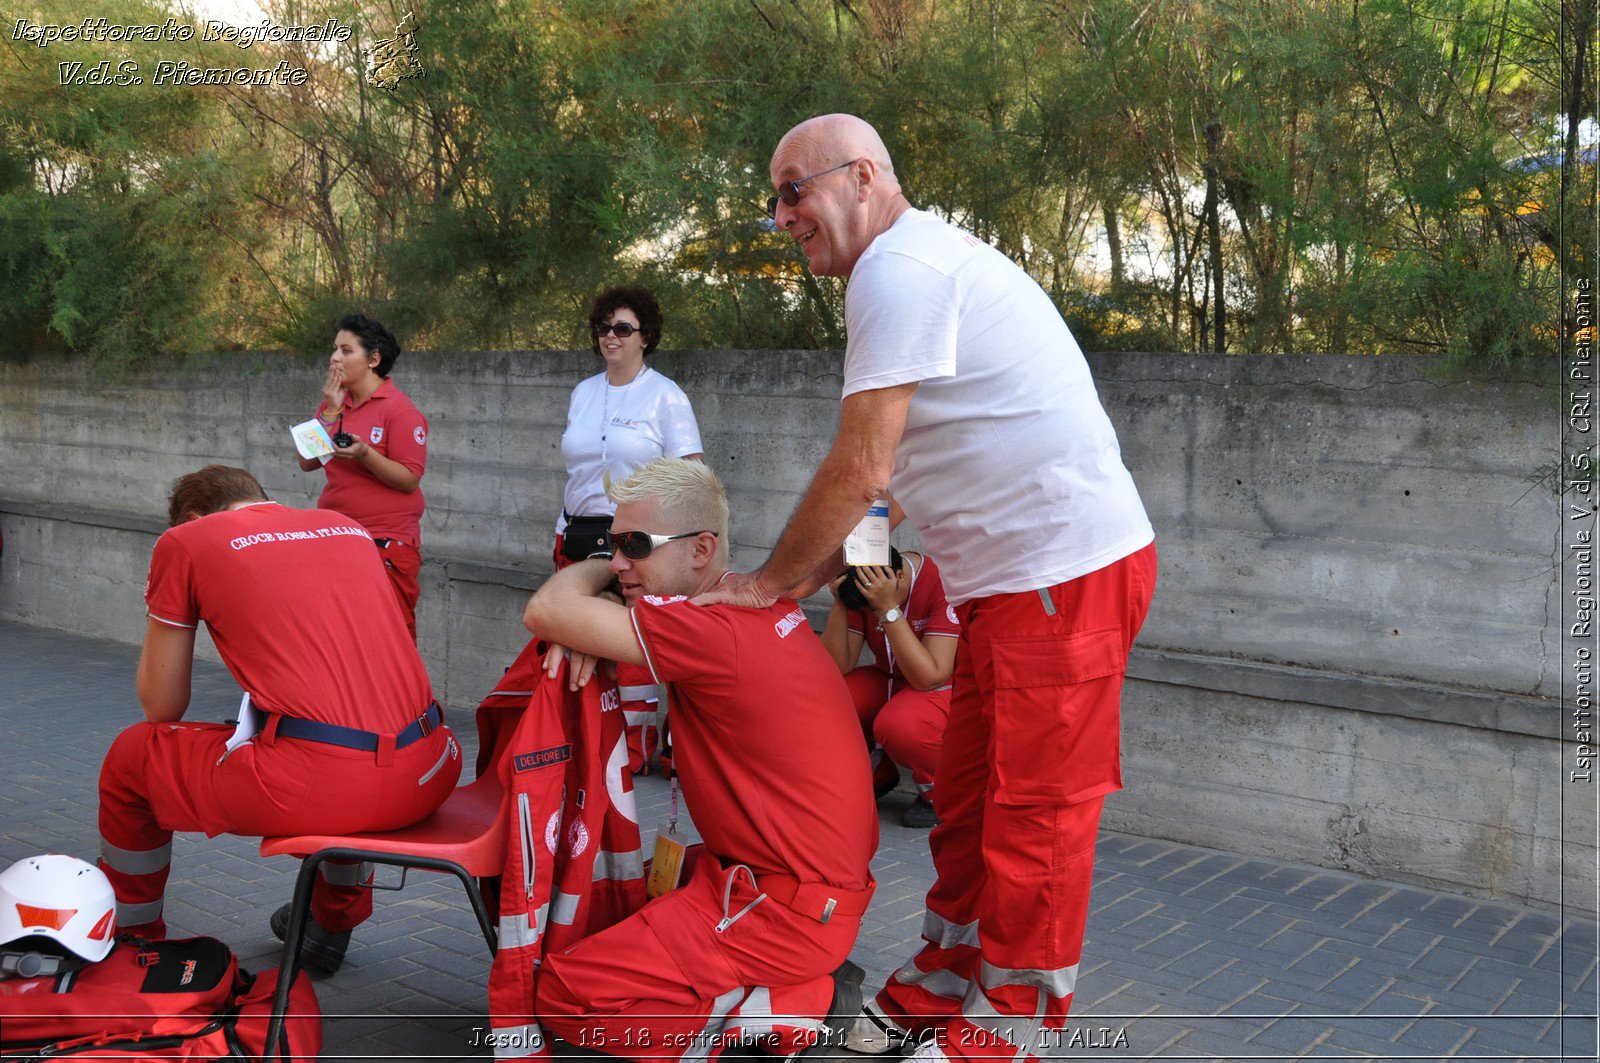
(1191, 953)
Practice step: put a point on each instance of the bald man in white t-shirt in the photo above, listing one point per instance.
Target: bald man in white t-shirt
(967, 400)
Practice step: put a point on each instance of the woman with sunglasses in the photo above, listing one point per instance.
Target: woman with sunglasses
(618, 420)
(375, 475)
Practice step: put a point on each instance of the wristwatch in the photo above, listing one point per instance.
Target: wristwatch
(895, 613)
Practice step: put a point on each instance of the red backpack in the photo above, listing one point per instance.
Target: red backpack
(186, 998)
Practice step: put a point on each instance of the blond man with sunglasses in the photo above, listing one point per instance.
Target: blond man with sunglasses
(774, 774)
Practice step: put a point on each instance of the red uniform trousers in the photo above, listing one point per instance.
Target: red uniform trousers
(908, 725)
(403, 564)
(641, 698)
(665, 984)
(1030, 753)
(163, 777)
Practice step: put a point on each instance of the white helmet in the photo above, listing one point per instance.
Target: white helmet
(60, 898)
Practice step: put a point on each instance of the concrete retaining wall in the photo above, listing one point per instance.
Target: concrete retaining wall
(1351, 659)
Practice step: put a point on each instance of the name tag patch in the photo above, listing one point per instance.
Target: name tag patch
(543, 758)
(789, 623)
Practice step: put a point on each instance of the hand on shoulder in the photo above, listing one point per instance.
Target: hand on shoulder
(738, 588)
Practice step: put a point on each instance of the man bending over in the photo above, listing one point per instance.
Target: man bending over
(774, 774)
(349, 737)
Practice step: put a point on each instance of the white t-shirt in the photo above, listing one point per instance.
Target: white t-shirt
(647, 418)
(1009, 465)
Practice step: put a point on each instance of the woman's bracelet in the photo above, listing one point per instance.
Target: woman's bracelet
(329, 417)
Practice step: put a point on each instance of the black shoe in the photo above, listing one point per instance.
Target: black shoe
(885, 777)
(919, 815)
(842, 1012)
(320, 950)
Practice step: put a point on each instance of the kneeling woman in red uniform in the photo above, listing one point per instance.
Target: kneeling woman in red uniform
(376, 477)
(903, 697)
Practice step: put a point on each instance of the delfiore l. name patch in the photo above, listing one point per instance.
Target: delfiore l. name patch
(543, 758)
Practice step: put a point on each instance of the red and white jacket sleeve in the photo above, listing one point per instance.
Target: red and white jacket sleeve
(574, 861)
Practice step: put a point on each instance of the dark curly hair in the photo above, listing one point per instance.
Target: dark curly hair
(850, 595)
(374, 337)
(640, 301)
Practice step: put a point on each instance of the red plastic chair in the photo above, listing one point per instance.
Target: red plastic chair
(465, 837)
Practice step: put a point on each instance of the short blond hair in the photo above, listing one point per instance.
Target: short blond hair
(690, 496)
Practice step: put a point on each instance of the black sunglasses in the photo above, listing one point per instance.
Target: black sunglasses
(789, 191)
(637, 545)
(623, 329)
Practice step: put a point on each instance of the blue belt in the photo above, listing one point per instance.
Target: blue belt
(334, 735)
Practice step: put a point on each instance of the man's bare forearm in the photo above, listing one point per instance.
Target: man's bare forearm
(586, 579)
(837, 499)
(831, 566)
(854, 474)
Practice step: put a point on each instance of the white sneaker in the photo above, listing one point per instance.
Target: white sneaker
(874, 1033)
(930, 1051)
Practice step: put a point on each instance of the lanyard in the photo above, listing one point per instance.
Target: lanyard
(888, 653)
(672, 821)
(605, 409)
(888, 648)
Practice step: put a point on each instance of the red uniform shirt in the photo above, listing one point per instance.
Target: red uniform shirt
(393, 426)
(765, 739)
(927, 612)
(300, 609)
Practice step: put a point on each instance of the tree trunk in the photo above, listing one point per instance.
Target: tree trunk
(1214, 224)
(1175, 233)
(1578, 18)
(1338, 338)
(1114, 243)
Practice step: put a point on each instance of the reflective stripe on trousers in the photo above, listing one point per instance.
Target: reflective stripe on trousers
(136, 862)
(755, 1018)
(704, 1041)
(1058, 983)
(1021, 1031)
(136, 914)
(518, 1042)
(947, 935)
(941, 982)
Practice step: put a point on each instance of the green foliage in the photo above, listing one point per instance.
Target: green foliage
(1356, 151)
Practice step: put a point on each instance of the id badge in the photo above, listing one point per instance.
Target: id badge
(868, 542)
(666, 866)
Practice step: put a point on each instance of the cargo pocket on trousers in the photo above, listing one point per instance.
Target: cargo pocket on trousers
(1056, 710)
